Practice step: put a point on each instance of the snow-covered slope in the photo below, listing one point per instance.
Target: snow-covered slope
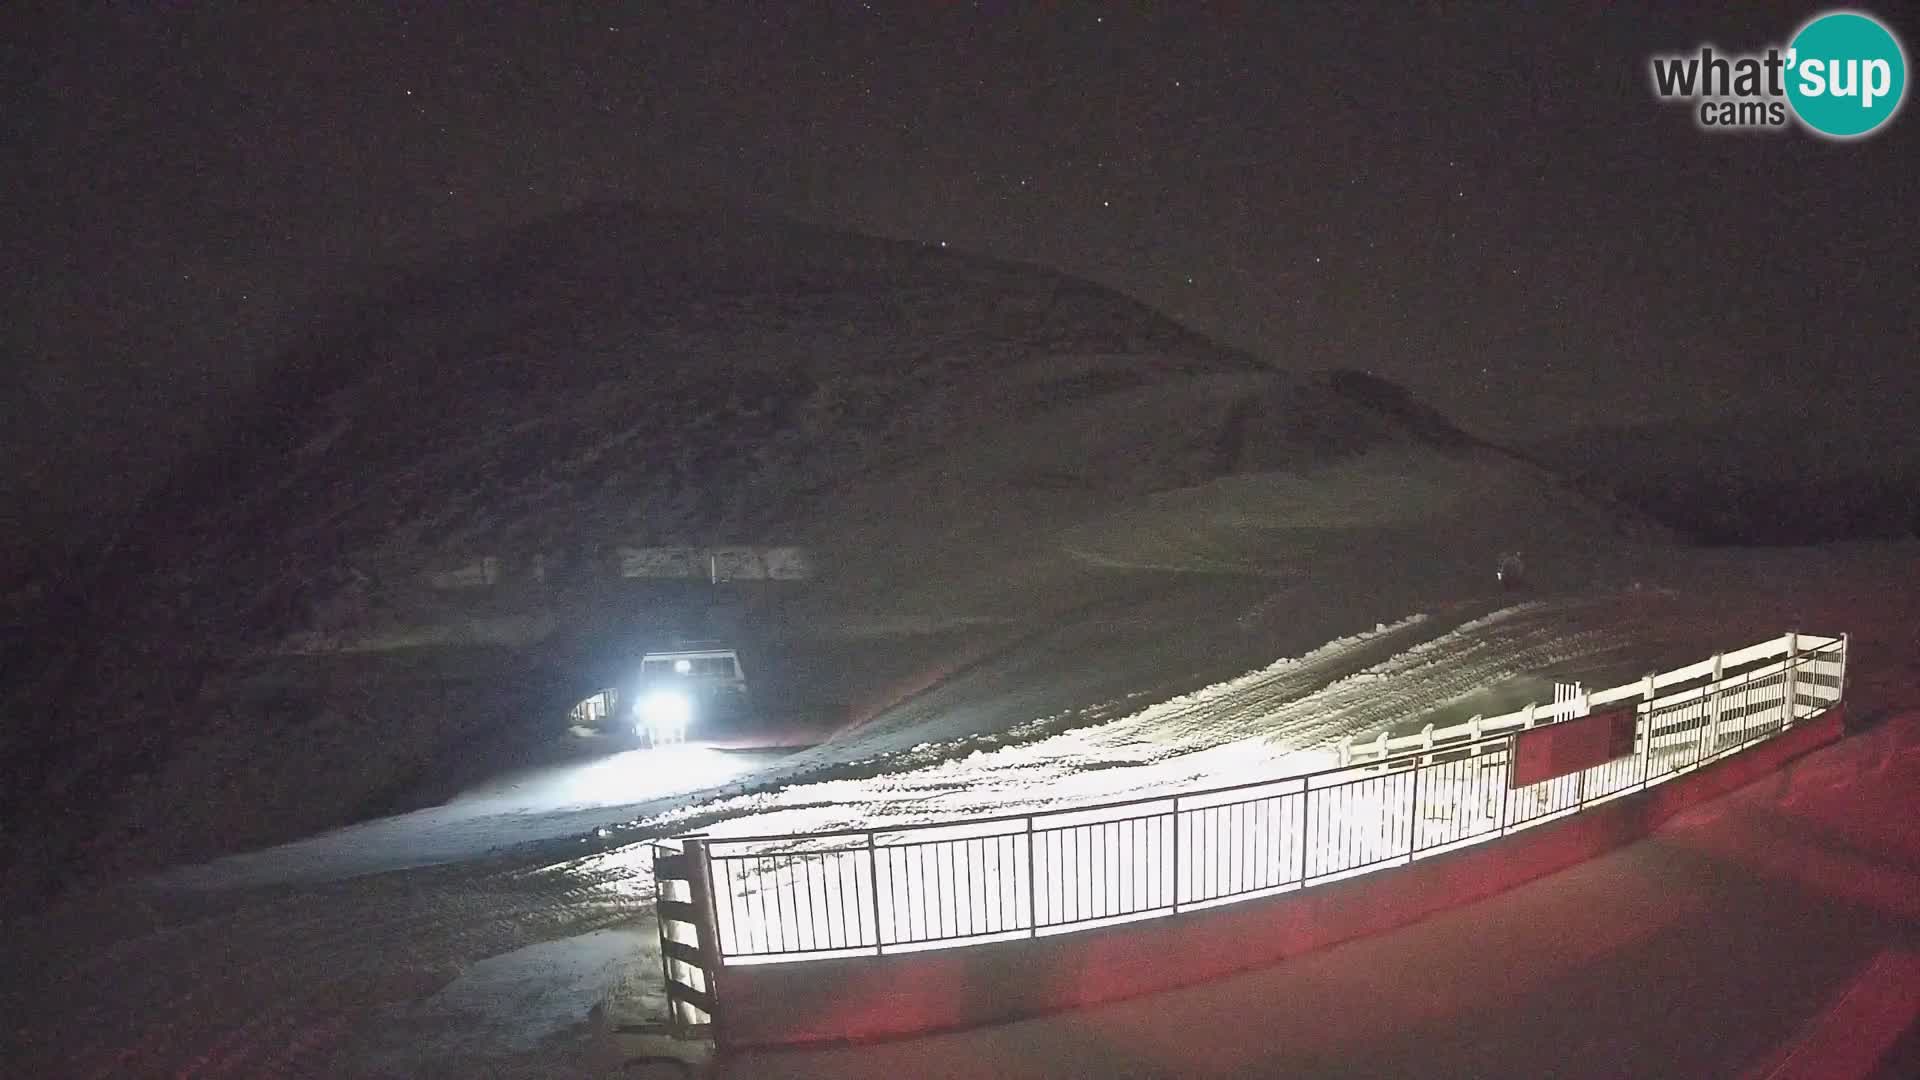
(304, 961)
(965, 443)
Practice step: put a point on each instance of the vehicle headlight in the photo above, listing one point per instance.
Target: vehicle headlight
(665, 710)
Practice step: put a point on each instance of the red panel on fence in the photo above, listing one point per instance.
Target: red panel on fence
(1571, 745)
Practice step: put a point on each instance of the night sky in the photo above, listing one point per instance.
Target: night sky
(1484, 203)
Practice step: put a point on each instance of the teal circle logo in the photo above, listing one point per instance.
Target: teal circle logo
(1846, 74)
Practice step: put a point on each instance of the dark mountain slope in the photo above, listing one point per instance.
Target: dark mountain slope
(954, 436)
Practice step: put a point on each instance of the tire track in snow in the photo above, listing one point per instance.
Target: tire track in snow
(1337, 658)
(1279, 719)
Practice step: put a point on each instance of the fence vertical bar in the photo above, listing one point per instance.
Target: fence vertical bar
(1506, 789)
(1714, 706)
(873, 892)
(1033, 886)
(1176, 854)
(1841, 690)
(1306, 829)
(1793, 662)
(1413, 810)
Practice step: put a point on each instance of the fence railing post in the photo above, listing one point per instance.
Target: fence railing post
(1306, 829)
(1713, 705)
(1506, 789)
(1176, 853)
(1033, 884)
(701, 896)
(661, 924)
(1841, 690)
(1793, 663)
(1413, 810)
(873, 891)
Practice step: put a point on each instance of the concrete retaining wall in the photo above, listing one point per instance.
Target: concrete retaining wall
(876, 997)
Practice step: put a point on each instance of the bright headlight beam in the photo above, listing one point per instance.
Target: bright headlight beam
(666, 707)
(666, 713)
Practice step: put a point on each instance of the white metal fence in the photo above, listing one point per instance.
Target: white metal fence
(1391, 801)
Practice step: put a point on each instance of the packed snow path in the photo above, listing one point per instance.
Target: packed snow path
(1278, 720)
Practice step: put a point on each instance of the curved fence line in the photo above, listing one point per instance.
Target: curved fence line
(891, 889)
